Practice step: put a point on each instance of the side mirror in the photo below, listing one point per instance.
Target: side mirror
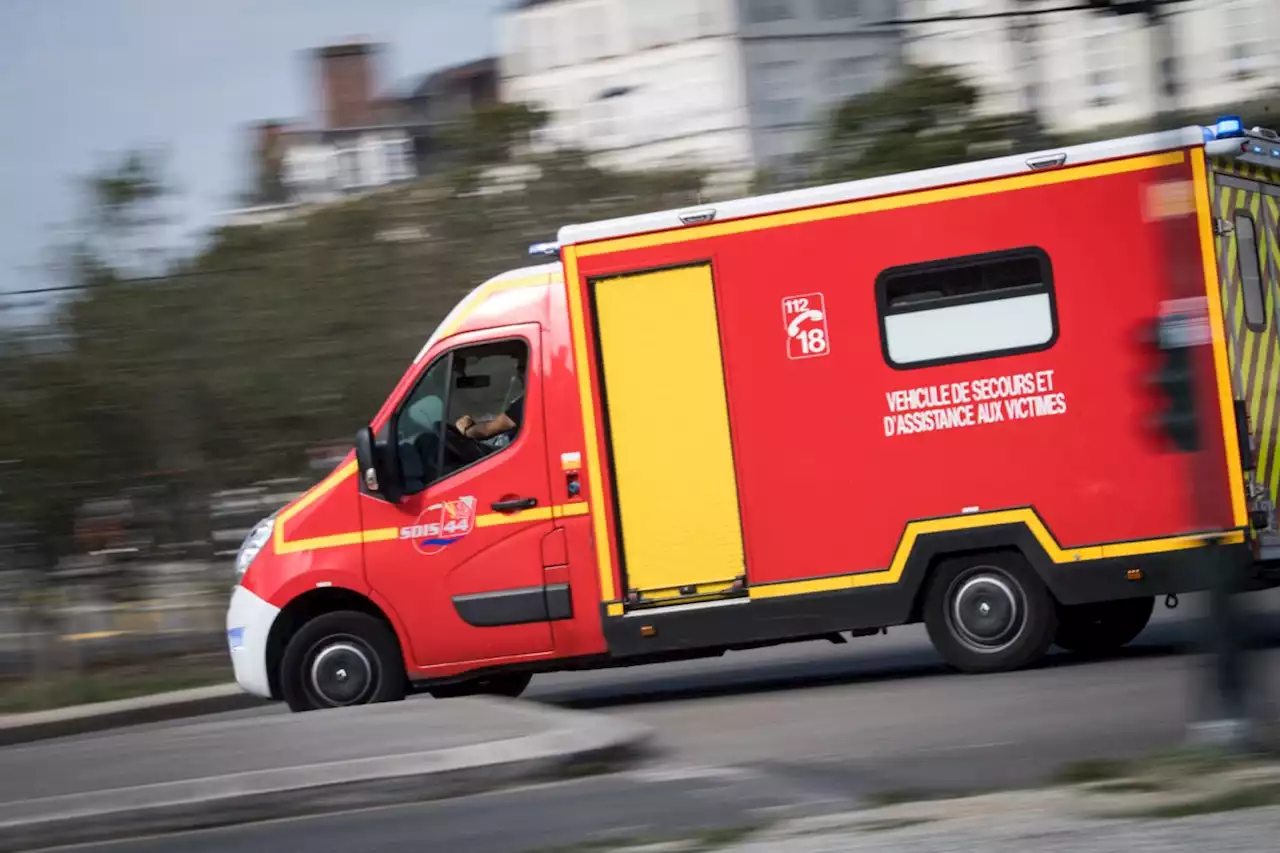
(375, 468)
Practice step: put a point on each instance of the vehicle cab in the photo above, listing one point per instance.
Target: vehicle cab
(439, 547)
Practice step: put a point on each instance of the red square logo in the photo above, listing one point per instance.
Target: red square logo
(804, 319)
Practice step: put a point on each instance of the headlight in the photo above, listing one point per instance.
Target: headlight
(253, 544)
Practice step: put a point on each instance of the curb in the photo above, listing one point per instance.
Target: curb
(577, 744)
(100, 716)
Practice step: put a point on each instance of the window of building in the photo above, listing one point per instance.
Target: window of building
(709, 22)
(1246, 33)
(484, 383)
(348, 167)
(400, 160)
(1250, 268)
(849, 76)
(1104, 61)
(839, 10)
(967, 308)
(780, 86)
(768, 11)
(592, 33)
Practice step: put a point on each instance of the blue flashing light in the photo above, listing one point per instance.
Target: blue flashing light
(1229, 126)
(544, 249)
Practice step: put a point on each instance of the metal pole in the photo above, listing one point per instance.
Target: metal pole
(1225, 719)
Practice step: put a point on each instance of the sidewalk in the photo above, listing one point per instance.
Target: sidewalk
(1231, 810)
(98, 716)
(207, 774)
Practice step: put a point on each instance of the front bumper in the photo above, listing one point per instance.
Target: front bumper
(249, 621)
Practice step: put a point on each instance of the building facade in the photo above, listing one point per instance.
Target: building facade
(730, 85)
(1079, 70)
(363, 138)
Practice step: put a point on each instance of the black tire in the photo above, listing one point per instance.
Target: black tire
(342, 659)
(1102, 627)
(989, 612)
(509, 684)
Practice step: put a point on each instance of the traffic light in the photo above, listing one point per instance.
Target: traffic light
(1175, 380)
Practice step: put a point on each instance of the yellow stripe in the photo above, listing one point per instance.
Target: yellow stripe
(498, 519)
(1221, 363)
(282, 546)
(615, 609)
(591, 432)
(895, 202)
(571, 510)
(915, 529)
(472, 302)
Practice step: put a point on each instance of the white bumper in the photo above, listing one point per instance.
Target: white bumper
(249, 621)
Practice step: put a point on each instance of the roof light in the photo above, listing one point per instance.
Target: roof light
(1229, 126)
(546, 249)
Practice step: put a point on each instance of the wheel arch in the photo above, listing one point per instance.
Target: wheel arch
(932, 549)
(307, 606)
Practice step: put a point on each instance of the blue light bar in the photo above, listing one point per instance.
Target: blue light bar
(546, 249)
(1229, 126)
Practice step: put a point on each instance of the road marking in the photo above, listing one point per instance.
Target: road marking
(968, 746)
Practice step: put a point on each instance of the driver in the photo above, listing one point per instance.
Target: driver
(502, 426)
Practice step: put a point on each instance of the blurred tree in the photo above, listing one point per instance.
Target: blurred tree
(927, 119)
(229, 367)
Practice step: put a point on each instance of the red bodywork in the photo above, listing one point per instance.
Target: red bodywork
(822, 490)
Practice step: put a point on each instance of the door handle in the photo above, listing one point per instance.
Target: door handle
(514, 504)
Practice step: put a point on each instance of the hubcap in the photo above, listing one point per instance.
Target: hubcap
(986, 611)
(341, 674)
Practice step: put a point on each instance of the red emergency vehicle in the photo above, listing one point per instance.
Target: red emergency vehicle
(924, 397)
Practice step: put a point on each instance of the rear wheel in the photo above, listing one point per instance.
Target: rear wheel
(1102, 627)
(342, 659)
(509, 684)
(989, 612)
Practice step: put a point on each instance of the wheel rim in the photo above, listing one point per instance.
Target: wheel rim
(986, 610)
(342, 672)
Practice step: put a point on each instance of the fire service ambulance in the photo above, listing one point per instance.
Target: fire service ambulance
(1016, 400)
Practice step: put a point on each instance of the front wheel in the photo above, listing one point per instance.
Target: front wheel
(342, 659)
(1103, 627)
(989, 612)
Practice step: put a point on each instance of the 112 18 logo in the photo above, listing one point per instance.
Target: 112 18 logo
(805, 320)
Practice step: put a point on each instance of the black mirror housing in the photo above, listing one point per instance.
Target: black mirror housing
(376, 467)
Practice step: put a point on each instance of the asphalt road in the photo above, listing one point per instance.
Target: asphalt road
(799, 729)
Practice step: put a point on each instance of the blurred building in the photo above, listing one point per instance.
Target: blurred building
(1080, 70)
(364, 138)
(728, 84)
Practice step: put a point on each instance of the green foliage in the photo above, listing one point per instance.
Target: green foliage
(925, 120)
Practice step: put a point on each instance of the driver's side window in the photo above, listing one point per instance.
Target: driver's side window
(477, 388)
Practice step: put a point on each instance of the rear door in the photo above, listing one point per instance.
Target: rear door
(1248, 228)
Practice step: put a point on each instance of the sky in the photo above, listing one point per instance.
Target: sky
(83, 80)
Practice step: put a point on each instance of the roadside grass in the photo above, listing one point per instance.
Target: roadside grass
(890, 824)
(1092, 771)
(1255, 797)
(696, 841)
(110, 682)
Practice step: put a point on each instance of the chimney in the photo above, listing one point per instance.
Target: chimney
(347, 84)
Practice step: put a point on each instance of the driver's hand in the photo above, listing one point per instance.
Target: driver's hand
(465, 423)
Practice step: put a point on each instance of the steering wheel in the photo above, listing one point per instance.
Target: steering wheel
(459, 446)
